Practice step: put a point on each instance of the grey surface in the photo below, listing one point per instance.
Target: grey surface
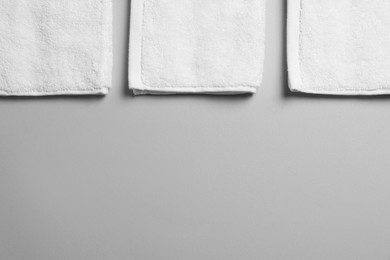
(272, 176)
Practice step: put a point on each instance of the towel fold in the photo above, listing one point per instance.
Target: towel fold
(339, 47)
(202, 46)
(53, 47)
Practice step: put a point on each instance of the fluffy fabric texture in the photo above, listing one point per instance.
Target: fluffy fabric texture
(339, 47)
(52, 47)
(202, 46)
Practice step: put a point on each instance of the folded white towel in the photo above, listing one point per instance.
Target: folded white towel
(52, 47)
(202, 46)
(339, 47)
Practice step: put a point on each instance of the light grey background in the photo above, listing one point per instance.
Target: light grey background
(269, 176)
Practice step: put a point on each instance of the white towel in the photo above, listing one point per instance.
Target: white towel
(201, 46)
(339, 47)
(53, 47)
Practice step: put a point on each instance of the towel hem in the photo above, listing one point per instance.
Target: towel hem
(196, 90)
(293, 45)
(345, 92)
(102, 91)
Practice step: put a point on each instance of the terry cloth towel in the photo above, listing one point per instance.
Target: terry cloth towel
(339, 47)
(53, 47)
(201, 46)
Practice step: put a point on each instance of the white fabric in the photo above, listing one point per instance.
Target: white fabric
(52, 47)
(339, 47)
(202, 46)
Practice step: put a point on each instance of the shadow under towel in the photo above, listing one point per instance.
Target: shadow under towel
(339, 47)
(54, 47)
(202, 46)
